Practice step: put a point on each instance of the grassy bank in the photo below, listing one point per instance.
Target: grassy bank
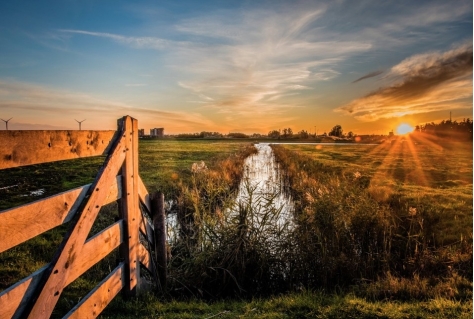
(164, 162)
(391, 220)
(297, 305)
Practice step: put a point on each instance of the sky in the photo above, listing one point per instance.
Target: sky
(235, 66)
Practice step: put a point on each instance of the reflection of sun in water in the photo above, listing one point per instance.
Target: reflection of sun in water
(404, 128)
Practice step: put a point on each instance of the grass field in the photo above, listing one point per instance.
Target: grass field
(434, 178)
(296, 305)
(426, 174)
(398, 215)
(163, 162)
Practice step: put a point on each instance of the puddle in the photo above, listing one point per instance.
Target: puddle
(37, 192)
(171, 222)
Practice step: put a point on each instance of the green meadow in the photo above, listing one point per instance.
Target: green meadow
(421, 172)
(381, 231)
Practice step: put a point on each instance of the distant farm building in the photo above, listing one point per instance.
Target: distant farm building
(157, 132)
(141, 132)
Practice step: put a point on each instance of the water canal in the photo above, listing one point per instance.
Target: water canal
(263, 187)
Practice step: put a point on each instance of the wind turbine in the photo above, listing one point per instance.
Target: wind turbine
(80, 122)
(6, 122)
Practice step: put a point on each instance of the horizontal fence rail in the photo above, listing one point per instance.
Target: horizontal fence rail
(133, 233)
(20, 148)
(30, 220)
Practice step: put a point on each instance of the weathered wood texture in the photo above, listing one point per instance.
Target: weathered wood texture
(129, 208)
(146, 228)
(20, 148)
(37, 295)
(27, 221)
(15, 298)
(143, 195)
(71, 247)
(96, 301)
(144, 256)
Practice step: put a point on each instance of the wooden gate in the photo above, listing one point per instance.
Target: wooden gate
(36, 295)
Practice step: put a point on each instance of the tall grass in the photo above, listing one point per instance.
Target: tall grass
(217, 249)
(344, 235)
(347, 236)
(304, 304)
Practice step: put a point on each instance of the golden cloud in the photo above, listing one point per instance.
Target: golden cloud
(423, 83)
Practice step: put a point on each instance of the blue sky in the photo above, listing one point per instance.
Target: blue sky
(228, 66)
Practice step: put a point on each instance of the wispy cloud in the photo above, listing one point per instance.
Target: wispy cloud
(368, 75)
(265, 62)
(249, 62)
(407, 24)
(50, 106)
(138, 42)
(422, 83)
(260, 58)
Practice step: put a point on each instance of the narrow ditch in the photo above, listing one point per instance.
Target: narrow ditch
(261, 193)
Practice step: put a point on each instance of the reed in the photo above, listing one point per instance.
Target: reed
(346, 236)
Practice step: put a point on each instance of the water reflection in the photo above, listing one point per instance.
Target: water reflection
(263, 185)
(261, 194)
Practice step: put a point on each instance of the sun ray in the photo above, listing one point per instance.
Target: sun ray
(380, 187)
(418, 174)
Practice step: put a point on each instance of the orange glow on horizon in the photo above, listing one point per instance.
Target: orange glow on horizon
(404, 129)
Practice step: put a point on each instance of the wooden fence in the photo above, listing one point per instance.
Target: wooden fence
(36, 295)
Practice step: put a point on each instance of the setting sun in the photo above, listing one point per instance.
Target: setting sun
(404, 128)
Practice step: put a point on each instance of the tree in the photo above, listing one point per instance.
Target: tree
(287, 132)
(237, 135)
(303, 134)
(336, 131)
(274, 134)
(350, 134)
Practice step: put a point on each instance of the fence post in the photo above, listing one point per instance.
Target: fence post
(129, 206)
(159, 224)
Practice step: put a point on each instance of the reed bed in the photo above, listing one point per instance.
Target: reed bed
(348, 236)
(344, 236)
(354, 234)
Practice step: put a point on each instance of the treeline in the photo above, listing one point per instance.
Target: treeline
(205, 134)
(288, 133)
(448, 129)
(200, 135)
(445, 129)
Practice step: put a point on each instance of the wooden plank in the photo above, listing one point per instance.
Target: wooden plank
(143, 195)
(96, 300)
(14, 299)
(129, 209)
(146, 228)
(57, 273)
(97, 248)
(27, 221)
(20, 148)
(144, 256)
